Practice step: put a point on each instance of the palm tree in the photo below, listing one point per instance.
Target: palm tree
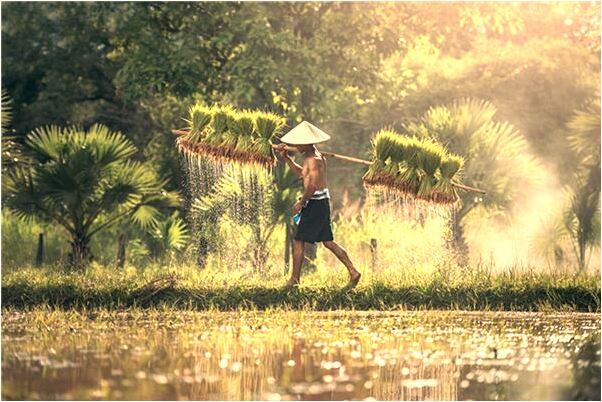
(497, 158)
(582, 220)
(85, 181)
(582, 217)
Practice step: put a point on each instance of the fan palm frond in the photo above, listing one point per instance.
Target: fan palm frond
(585, 130)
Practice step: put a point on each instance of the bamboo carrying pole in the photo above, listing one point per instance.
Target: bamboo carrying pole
(347, 159)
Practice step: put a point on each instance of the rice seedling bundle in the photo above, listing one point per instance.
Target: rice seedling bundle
(200, 117)
(385, 154)
(227, 135)
(429, 161)
(417, 167)
(421, 168)
(450, 165)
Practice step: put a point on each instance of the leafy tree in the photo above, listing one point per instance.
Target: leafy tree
(84, 182)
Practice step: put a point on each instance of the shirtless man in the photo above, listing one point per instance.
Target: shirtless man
(314, 205)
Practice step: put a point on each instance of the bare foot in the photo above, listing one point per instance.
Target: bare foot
(354, 279)
(291, 284)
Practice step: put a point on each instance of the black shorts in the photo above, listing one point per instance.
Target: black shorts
(314, 225)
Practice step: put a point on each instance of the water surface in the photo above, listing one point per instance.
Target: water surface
(175, 355)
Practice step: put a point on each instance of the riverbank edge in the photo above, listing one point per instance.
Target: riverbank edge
(577, 298)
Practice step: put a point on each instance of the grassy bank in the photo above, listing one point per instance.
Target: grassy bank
(186, 287)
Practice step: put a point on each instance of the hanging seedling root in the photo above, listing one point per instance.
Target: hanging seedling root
(222, 155)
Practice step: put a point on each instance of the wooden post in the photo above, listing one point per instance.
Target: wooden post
(40, 252)
(122, 240)
(374, 255)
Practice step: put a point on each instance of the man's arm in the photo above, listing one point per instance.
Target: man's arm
(297, 170)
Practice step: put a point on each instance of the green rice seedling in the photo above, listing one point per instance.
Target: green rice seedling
(395, 155)
(268, 126)
(410, 168)
(409, 178)
(227, 135)
(451, 166)
(200, 118)
(385, 145)
(219, 124)
(443, 189)
(431, 156)
(230, 136)
(429, 160)
(244, 128)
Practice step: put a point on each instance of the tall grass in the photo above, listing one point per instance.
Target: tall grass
(187, 287)
(413, 267)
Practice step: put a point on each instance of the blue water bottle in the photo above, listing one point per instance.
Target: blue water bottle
(297, 218)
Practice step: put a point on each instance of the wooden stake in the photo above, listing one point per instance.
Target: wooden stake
(40, 253)
(121, 244)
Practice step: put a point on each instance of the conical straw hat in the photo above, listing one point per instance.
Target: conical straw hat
(305, 133)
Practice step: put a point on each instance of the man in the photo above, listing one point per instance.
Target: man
(314, 206)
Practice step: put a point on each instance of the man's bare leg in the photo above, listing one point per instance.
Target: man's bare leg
(342, 255)
(298, 255)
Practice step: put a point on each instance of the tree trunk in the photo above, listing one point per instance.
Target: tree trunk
(40, 253)
(80, 252)
(122, 241)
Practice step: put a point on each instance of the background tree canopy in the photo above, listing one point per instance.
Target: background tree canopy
(351, 68)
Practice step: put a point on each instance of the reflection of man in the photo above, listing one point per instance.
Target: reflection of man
(314, 225)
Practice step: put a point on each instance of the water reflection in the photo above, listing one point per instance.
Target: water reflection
(300, 356)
